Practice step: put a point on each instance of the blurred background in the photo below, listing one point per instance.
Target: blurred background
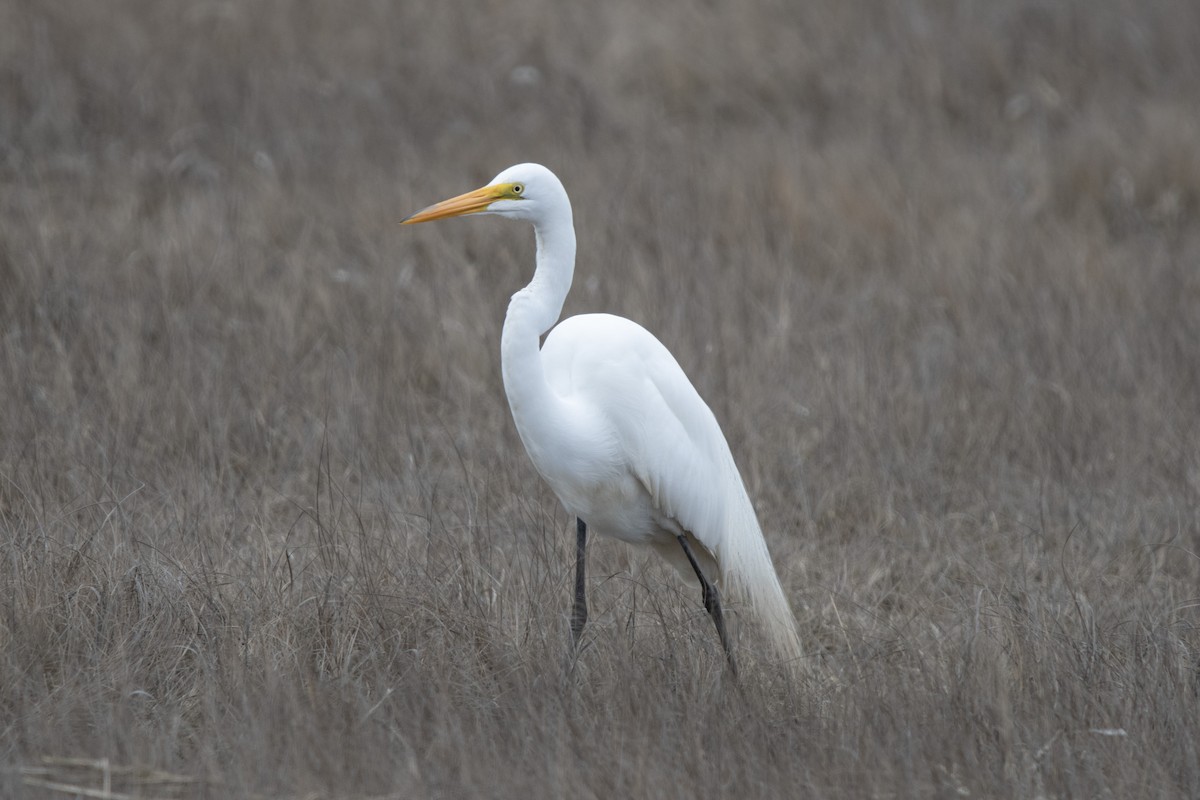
(266, 527)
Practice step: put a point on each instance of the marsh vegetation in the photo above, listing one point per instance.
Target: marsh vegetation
(266, 526)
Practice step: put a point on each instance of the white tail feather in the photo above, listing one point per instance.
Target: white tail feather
(747, 573)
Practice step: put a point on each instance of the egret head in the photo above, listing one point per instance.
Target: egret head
(526, 191)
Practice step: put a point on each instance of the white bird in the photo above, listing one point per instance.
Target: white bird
(615, 427)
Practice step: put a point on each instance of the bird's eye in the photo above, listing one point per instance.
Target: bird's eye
(517, 188)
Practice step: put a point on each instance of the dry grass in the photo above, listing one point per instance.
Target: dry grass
(267, 530)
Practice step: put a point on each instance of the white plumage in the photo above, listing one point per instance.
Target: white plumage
(615, 427)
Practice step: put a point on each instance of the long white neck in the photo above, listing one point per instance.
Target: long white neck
(533, 311)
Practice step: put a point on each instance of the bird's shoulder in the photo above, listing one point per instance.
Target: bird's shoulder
(625, 374)
(604, 350)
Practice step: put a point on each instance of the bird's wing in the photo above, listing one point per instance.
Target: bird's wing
(660, 426)
(671, 442)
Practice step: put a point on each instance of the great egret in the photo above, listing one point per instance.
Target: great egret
(615, 427)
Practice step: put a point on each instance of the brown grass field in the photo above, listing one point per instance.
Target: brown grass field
(267, 530)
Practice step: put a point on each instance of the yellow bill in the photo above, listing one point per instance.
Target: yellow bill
(469, 203)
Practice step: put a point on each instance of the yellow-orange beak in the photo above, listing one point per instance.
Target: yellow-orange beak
(469, 203)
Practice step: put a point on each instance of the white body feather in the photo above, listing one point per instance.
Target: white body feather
(611, 421)
(645, 460)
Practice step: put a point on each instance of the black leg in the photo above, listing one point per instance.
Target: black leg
(579, 615)
(712, 603)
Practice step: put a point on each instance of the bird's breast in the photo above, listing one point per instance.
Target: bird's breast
(591, 480)
(617, 506)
